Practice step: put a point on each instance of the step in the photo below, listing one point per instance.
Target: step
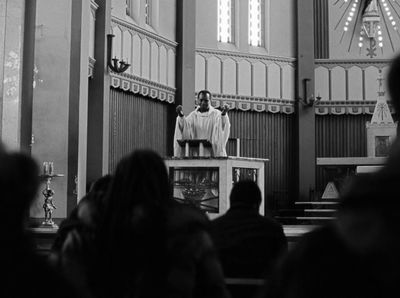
(317, 203)
(287, 220)
(320, 210)
(318, 213)
(315, 217)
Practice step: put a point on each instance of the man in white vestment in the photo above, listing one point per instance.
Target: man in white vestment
(204, 122)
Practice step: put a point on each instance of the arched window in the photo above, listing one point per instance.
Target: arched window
(225, 20)
(256, 22)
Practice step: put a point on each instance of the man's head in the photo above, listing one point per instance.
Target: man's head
(393, 83)
(245, 194)
(204, 98)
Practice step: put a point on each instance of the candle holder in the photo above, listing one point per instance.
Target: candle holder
(48, 193)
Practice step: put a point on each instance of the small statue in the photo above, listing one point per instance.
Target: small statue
(48, 206)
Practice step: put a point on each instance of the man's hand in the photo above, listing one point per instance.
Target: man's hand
(179, 111)
(225, 109)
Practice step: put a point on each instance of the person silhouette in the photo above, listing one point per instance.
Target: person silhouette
(24, 271)
(150, 245)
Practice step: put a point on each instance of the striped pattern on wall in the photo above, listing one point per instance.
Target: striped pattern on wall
(339, 136)
(321, 29)
(267, 135)
(138, 122)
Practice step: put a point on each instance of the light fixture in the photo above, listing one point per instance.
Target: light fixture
(308, 100)
(113, 63)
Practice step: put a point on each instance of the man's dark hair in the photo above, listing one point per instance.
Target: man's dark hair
(205, 92)
(245, 193)
(393, 83)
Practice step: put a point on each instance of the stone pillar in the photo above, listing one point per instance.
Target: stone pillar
(99, 94)
(185, 66)
(78, 101)
(305, 115)
(28, 66)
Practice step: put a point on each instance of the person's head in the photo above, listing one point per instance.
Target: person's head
(91, 208)
(140, 180)
(204, 98)
(245, 194)
(132, 236)
(19, 182)
(393, 83)
(367, 214)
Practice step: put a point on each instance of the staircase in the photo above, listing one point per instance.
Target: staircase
(309, 213)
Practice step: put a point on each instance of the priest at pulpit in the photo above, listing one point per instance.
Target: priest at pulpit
(204, 123)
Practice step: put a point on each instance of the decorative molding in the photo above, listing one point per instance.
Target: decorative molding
(142, 33)
(287, 106)
(348, 63)
(91, 63)
(93, 5)
(336, 107)
(134, 84)
(266, 59)
(251, 103)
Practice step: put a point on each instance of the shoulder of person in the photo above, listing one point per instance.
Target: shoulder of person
(181, 215)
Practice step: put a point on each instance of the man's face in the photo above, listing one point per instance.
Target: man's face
(204, 99)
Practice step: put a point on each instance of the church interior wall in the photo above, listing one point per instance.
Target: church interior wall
(152, 55)
(345, 44)
(239, 70)
(11, 47)
(339, 136)
(140, 116)
(338, 80)
(142, 110)
(51, 94)
(279, 28)
(238, 76)
(267, 135)
(138, 122)
(282, 32)
(163, 15)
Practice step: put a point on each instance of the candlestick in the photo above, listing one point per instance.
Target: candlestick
(48, 193)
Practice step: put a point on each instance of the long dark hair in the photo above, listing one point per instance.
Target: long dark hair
(133, 240)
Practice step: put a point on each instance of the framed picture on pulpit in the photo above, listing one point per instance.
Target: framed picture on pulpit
(196, 186)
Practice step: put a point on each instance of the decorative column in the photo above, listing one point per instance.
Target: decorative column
(305, 116)
(99, 94)
(185, 65)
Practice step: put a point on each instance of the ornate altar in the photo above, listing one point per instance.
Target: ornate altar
(206, 182)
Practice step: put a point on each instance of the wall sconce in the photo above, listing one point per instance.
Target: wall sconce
(308, 100)
(113, 63)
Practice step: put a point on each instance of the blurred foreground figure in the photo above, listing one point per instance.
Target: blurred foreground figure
(358, 255)
(75, 248)
(151, 246)
(25, 274)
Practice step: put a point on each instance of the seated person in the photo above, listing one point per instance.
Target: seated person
(248, 243)
(354, 256)
(205, 123)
